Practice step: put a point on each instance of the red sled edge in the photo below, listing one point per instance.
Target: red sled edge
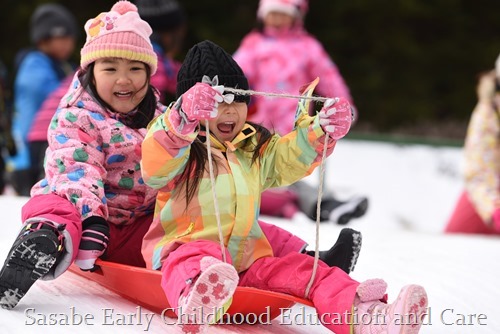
(142, 287)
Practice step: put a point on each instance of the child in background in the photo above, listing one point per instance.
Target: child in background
(200, 272)
(279, 57)
(40, 71)
(37, 136)
(93, 201)
(169, 23)
(478, 208)
(7, 146)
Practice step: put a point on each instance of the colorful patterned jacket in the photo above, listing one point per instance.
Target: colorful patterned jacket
(482, 151)
(93, 160)
(238, 187)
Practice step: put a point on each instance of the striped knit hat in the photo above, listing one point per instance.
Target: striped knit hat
(119, 33)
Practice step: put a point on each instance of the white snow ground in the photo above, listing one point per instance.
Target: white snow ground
(412, 190)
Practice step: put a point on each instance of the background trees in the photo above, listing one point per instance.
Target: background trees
(411, 65)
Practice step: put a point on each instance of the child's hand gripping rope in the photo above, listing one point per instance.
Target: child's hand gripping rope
(336, 117)
(200, 102)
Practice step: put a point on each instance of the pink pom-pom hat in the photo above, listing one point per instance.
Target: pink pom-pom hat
(119, 33)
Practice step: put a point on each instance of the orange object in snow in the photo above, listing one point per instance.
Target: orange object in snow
(142, 286)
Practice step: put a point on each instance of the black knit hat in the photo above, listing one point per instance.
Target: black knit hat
(162, 15)
(52, 20)
(207, 58)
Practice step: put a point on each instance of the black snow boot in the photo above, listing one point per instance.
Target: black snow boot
(345, 252)
(34, 253)
(342, 212)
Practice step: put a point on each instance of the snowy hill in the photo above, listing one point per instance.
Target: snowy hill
(412, 190)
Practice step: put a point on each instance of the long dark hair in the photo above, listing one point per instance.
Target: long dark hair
(198, 159)
(145, 109)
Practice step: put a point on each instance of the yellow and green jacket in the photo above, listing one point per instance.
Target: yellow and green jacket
(238, 186)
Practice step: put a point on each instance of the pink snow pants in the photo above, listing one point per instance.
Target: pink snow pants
(332, 292)
(465, 219)
(126, 240)
(279, 202)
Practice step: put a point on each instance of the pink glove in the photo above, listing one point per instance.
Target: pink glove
(496, 220)
(336, 117)
(198, 102)
(201, 101)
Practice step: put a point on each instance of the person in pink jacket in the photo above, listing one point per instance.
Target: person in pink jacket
(477, 210)
(93, 201)
(279, 56)
(210, 166)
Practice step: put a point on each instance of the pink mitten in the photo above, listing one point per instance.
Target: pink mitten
(496, 220)
(198, 102)
(201, 101)
(336, 117)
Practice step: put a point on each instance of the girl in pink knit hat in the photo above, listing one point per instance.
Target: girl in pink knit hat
(93, 201)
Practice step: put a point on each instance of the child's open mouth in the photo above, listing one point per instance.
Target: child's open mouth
(123, 94)
(226, 127)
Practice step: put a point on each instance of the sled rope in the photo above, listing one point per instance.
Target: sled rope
(214, 194)
(318, 214)
(290, 96)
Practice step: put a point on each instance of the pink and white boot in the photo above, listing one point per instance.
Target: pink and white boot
(404, 316)
(208, 297)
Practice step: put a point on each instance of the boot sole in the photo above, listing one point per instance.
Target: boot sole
(413, 311)
(27, 261)
(357, 240)
(210, 297)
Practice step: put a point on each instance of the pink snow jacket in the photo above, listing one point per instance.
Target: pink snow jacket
(38, 131)
(482, 151)
(239, 184)
(93, 160)
(282, 64)
(165, 78)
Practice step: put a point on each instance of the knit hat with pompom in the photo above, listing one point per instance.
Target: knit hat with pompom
(119, 33)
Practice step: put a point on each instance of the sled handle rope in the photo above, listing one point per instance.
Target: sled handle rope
(318, 214)
(214, 194)
(290, 96)
(320, 187)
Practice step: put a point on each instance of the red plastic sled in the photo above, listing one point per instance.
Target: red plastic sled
(142, 286)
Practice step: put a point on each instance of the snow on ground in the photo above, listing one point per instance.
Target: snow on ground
(412, 190)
